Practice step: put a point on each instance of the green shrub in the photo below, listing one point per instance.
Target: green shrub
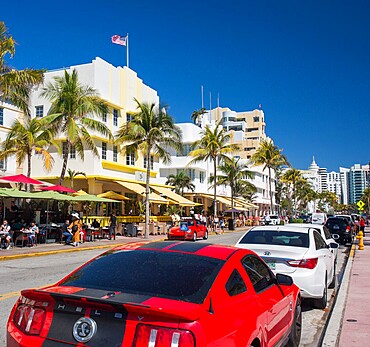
(282, 222)
(297, 220)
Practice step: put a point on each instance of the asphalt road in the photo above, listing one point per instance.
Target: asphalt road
(36, 272)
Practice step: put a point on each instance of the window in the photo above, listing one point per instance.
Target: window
(72, 152)
(104, 117)
(3, 164)
(258, 272)
(115, 117)
(256, 119)
(1, 116)
(115, 153)
(151, 162)
(319, 241)
(235, 284)
(104, 150)
(130, 158)
(129, 117)
(201, 176)
(190, 173)
(39, 111)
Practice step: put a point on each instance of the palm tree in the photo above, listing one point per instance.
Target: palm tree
(366, 199)
(180, 181)
(292, 177)
(232, 172)
(26, 138)
(197, 113)
(214, 145)
(269, 155)
(72, 174)
(152, 131)
(15, 86)
(72, 114)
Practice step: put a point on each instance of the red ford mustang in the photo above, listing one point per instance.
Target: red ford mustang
(188, 230)
(162, 294)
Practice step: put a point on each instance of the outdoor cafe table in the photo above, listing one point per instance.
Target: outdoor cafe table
(90, 233)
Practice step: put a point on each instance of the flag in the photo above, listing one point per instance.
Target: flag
(119, 40)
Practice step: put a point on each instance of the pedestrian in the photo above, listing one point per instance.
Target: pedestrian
(112, 226)
(362, 225)
(222, 225)
(216, 221)
(75, 228)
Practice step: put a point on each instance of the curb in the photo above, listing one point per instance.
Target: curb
(334, 327)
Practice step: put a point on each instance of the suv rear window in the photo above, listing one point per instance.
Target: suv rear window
(341, 222)
(275, 237)
(171, 275)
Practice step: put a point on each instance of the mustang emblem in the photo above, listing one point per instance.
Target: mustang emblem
(267, 253)
(84, 329)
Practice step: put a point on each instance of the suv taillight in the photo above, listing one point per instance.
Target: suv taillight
(148, 336)
(29, 318)
(348, 229)
(304, 263)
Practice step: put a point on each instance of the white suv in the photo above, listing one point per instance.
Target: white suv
(274, 219)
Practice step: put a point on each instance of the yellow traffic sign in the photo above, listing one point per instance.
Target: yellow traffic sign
(361, 204)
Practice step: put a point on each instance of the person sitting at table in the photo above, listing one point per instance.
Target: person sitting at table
(7, 236)
(34, 230)
(95, 224)
(66, 232)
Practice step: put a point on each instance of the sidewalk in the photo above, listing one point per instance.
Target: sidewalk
(56, 247)
(350, 320)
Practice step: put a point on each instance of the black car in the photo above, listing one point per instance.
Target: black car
(342, 227)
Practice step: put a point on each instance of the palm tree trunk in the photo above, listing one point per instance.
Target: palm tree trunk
(214, 188)
(271, 207)
(28, 186)
(147, 192)
(64, 167)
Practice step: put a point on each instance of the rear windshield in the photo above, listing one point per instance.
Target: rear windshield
(177, 276)
(338, 222)
(275, 237)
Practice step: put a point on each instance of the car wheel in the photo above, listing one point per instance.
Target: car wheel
(296, 330)
(205, 237)
(322, 302)
(333, 282)
(194, 236)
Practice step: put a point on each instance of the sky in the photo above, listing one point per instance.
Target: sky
(306, 62)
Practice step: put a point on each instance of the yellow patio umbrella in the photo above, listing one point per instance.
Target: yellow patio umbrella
(113, 195)
(79, 193)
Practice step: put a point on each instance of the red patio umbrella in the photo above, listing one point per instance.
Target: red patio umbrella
(59, 188)
(20, 179)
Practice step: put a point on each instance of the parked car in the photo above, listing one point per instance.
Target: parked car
(162, 294)
(330, 239)
(188, 229)
(318, 218)
(298, 252)
(342, 227)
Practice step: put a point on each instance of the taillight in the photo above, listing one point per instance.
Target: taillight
(304, 263)
(348, 229)
(29, 317)
(154, 336)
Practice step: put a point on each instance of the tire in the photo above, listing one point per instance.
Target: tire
(296, 330)
(194, 236)
(323, 301)
(205, 237)
(334, 280)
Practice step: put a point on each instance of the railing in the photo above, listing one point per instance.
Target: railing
(104, 221)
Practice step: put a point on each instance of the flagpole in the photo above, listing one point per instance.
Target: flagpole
(127, 53)
(202, 96)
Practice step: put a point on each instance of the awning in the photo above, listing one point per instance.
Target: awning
(112, 195)
(178, 199)
(219, 198)
(139, 189)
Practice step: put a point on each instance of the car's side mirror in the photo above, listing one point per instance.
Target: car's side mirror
(333, 245)
(284, 280)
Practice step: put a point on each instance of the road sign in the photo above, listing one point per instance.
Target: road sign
(361, 204)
